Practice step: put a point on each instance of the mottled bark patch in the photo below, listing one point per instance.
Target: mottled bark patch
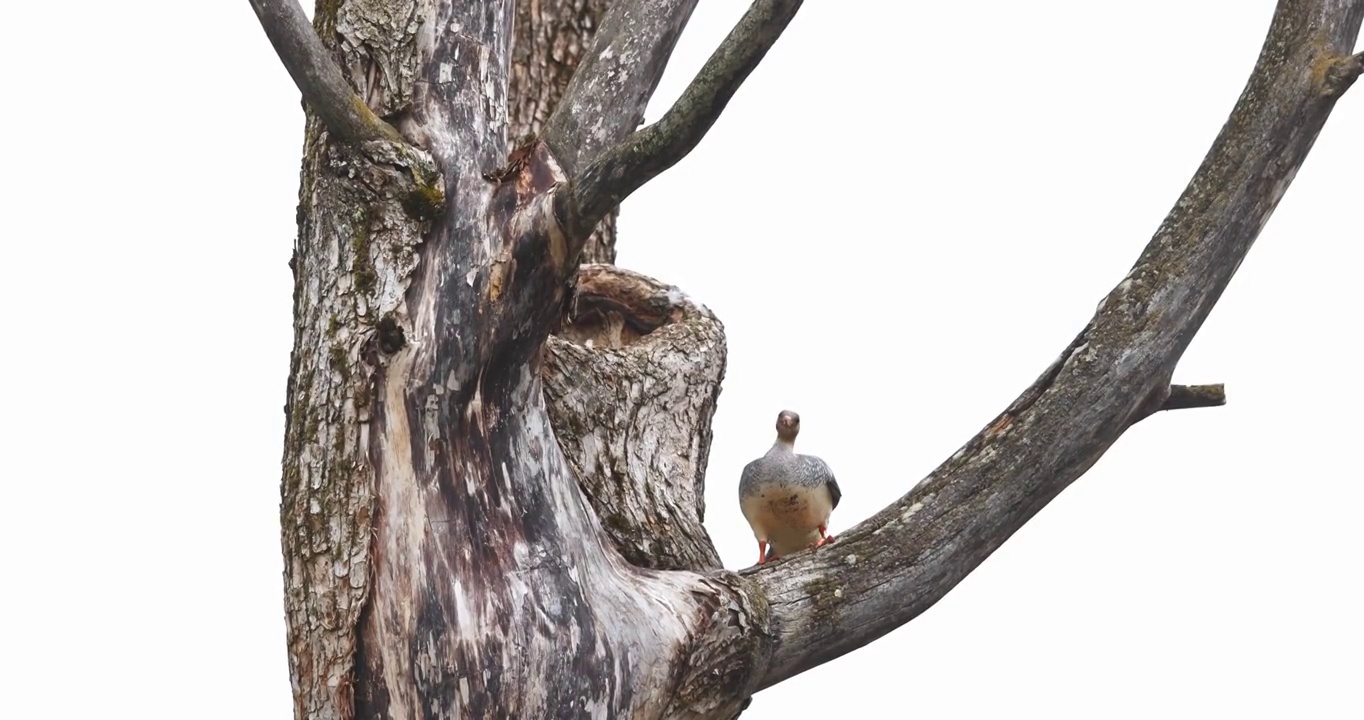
(632, 380)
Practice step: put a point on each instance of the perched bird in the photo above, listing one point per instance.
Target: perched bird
(787, 498)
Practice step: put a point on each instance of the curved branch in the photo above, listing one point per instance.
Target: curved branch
(317, 76)
(625, 168)
(631, 383)
(898, 563)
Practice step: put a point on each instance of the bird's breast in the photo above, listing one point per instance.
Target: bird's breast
(790, 506)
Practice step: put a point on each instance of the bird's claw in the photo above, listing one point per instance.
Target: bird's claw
(822, 541)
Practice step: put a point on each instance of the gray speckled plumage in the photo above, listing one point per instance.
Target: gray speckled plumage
(787, 497)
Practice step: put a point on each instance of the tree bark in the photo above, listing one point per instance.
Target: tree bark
(480, 519)
(631, 381)
(551, 38)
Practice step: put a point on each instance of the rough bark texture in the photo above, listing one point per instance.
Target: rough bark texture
(632, 381)
(323, 85)
(353, 260)
(442, 558)
(606, 98)
(609, 177)
(551, 39)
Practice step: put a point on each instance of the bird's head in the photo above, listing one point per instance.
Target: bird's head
(788, 425)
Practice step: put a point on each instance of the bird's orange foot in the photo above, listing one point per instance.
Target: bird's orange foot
(822, 541)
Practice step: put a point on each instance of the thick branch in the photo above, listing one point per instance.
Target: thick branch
(648, 152)
(551, 39)
(317, 76)
(898, 563)
(606, 98)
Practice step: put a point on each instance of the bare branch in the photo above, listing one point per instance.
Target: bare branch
(890, 568)
(606, 98)
(317, 76)
(1183, 397)
(653, 149)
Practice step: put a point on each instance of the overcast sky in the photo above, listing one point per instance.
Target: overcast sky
(903, 217)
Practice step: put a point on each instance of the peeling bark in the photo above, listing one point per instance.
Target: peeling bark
(356, 252)
(551, 39)
(378, 40)
(632, 380)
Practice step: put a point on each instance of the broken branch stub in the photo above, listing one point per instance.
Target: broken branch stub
(631, 380)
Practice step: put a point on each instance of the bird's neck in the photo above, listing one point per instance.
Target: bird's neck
(784, 445)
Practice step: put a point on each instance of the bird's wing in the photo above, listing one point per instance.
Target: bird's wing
(818, 472)
(749, 480)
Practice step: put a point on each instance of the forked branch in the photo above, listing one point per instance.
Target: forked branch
(898, 563)
(317, 76)
(605, 100)
(622, 169)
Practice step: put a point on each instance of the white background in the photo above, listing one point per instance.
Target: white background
(903, 217)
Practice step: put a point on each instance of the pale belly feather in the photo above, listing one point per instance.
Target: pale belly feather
(788, 517)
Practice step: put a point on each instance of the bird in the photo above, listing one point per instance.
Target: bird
(786, 497)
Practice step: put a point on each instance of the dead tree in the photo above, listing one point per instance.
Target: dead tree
(493, 467)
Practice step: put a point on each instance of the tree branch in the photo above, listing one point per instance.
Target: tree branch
(606, 98)
(646, 153)
(1183, 397)
(317, 76)
(551, 39)
(893, 566)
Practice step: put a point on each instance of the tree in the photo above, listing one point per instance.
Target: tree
(493, 457)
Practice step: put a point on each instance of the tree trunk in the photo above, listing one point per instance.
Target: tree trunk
(440, 557)
(494, 460)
